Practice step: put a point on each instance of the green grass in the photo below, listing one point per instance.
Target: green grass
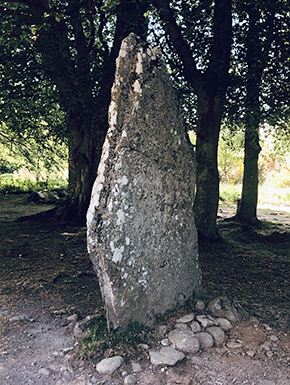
(268, 194)
(99, 340)
(11, 184)
(230, 192)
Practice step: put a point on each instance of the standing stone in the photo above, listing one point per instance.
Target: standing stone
(141, 233)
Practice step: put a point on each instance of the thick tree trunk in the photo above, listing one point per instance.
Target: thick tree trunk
(247, 211)
(248, 208)
(85, 148)
(87, 120)
(210, 88)
(207, 183)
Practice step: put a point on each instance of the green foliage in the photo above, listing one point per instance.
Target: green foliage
(230, 155)
(99, 339)
(11, 184)
(230, 193)
(260, 59)
(274, 171)
(39, 153)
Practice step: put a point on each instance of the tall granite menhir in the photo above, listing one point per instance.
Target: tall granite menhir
(141, 234)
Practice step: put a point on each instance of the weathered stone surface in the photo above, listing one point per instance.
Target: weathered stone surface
(44, 371)
(184, 340)
(109, 365)
(141, 233)
(166, 356)
(195, 327)
(19, 318)
(136, 367)
(234, 345)
(217, 333)
(224, 323)
(200, 305)
(162, 330)
(205, 339)
(186, 318)
(165, 342)
(181, 326)
(130, 379)
(206, 320)
(225, 308)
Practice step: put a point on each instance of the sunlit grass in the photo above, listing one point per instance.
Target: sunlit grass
(268, 194)
(11, 184)
(273, 195)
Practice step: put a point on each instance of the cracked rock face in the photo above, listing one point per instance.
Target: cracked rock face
(141, 233)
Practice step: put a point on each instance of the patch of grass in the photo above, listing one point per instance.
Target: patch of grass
(273, 194)
(2, 329)
(11, 184)
(230, 193)
(99, 341)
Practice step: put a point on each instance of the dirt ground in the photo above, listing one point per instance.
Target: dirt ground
(46, 277)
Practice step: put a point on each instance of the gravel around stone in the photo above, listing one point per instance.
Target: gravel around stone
(49, 294)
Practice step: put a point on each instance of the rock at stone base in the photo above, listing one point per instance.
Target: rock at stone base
(217, 333)
(109, 365)
(142, 238)
(225, 308)
(234, 345)
(19, 318)
(44, 372)
(205, 339)
(195, 327)
(266, 346)
(200, 305)
(165, 342)
(181, 326)
(144, 346)
(185, 319)
(130, 380)
(224, 323)
(206, 320)
(162, 330)
(136, 367)
(184, 340)
(166, 356)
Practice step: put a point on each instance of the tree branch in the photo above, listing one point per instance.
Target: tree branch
(189, 66)
(222, 33)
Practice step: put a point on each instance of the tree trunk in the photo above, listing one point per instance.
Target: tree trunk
(87, 116)
(247, 211)
(248, 207)
(210, 88)
(85, 148)
(207, 183)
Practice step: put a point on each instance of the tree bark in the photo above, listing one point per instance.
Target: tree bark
(247, 211)
(207, 183)
(87, 116)
(210, 88)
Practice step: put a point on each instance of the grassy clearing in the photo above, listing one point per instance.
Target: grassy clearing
(268, 194)
(11, 184)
